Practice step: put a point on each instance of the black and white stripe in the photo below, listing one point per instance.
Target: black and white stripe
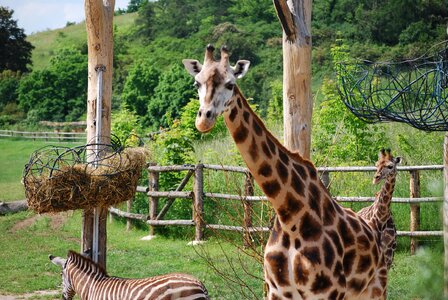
(82, 276)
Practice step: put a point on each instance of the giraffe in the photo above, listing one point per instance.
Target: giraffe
(317, 248)
(386, 168)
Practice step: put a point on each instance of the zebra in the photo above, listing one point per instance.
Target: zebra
(82, 276)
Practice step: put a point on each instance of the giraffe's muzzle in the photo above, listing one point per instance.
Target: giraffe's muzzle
(205, 120)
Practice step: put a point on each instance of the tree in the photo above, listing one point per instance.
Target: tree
(59, 92)
(9, 82)
(134, 5)
(171, 94)
(15, 50)
(139, 86)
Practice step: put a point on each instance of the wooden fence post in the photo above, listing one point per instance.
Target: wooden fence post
(153, 182)
(198, 203)
(128, 209)
(414, 186)
(445, 213)
(248, 191)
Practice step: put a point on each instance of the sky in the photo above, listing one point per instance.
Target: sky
(40, 15)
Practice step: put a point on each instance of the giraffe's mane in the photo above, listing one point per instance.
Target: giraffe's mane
(79, 257)
(293, 154)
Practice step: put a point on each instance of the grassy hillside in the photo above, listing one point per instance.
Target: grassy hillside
(46, 41)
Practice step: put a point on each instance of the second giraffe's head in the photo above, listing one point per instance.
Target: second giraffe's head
(215, 81)
(386, 165)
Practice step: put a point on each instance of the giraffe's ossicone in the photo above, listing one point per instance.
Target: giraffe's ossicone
(317, 249)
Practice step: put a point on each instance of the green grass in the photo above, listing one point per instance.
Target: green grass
(46, 42)
(25, 248)
(14, 155)
(27, 240)
(24, 253)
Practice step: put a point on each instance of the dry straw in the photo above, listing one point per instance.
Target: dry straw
(58, 180)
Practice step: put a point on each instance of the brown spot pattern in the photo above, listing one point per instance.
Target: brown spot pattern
(257, 127)
(246, 116)
(310, 229)
(290, 208)
(312, 254)
(314, 199)
(297, 184)
(253, 150)
(364, 264)
(329, 212)
(271, 188)
(301, 273)
(265, 170)
(321, 284)
(279, 266)
(233, 114)
(266, 150)
(282, 171)
(283, 156)
(240, 134)
(329, 253)
(271, 145)
(300, 170)
(349, 259)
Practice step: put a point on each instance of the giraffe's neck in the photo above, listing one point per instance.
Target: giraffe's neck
(384, 198)
(289, 181)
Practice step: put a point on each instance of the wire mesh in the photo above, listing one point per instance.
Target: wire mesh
(413, 91)
(87, 176)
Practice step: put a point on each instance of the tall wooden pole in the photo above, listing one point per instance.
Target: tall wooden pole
(445, 212)
(295, 18)
(99, 25)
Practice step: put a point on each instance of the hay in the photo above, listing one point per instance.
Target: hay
(81, 185)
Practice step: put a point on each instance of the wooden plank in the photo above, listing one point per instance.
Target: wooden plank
(420, 233)
(236, 197)
(445, 213)
(153, 182)
(170, 194)
(226, 168)
(414, 187)
(237, 228)
(170, 222)
(198, 203)
(128, 215)
(171, 168)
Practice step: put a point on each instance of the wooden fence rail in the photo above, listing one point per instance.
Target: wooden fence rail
(198, 194)
(45, 135)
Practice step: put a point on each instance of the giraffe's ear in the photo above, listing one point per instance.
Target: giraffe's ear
(193, 66)
(240, 68)
(398, 160)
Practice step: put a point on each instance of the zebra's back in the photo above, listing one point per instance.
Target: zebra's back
(164, 287)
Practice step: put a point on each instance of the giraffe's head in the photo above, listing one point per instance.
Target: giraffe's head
(67, 289)
(215, 81)
(386, 165)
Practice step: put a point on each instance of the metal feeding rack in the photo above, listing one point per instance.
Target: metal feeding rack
(93, 175)
(412, 91)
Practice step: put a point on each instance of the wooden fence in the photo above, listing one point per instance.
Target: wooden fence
(197, 195)
(47, 136)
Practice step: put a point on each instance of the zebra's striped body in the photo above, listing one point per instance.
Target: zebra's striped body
(84, 277)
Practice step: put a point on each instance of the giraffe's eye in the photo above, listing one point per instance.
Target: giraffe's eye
(196, 84)
(390, 166)
(229, 85)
